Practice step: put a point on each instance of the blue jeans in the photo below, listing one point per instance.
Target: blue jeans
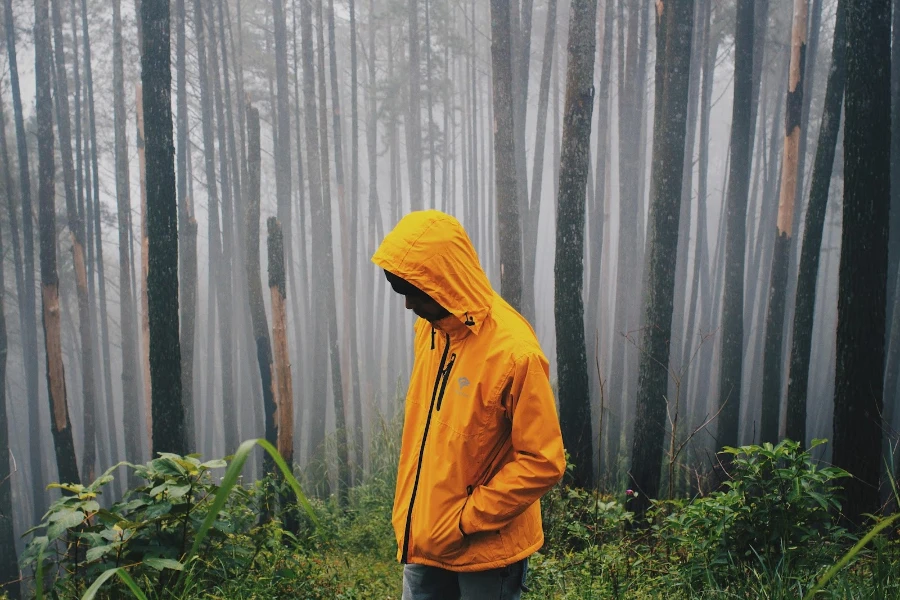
(421, 582)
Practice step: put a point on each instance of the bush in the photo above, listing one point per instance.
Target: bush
(776, 502)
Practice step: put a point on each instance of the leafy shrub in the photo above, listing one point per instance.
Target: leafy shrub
(777, 501)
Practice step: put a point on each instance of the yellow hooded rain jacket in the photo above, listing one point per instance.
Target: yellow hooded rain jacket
(481, 438)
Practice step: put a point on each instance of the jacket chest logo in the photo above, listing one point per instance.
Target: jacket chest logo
(463, 383)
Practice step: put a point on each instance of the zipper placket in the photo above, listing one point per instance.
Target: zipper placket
(440, 380)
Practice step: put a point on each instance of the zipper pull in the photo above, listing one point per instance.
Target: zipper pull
(446, 377)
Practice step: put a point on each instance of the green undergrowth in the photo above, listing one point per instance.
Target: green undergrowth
(770, 532)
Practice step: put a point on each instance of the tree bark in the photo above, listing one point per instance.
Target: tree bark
(76, 231)
(162, 232)
(859, 382)
(254, 284)
(673, 38)
(27, 301)
(61, 427)
(772, 366)
(530, 218)
(187, 232)
(314, 173)
(9, 562)
(575, 409)
(505, 157)
(414, 118)
(93, 214)
(283, 385)
(145, 264)
(131, 403)
(731, 368)
(804, 311)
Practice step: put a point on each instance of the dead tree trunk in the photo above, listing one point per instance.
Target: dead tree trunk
(254, 282)
(76, 230)
(285, 394)
(804, 311)
(771, 398)
(61, 427)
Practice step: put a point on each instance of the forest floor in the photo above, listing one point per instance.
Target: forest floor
(771, 532)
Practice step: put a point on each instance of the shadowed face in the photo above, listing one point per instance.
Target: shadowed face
(417, 301)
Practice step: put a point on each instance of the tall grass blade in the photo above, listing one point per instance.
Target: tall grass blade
(123, 575)
(230, 479)
(849, 555)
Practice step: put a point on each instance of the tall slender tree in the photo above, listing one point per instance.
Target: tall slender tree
(76, 231)
(771, 399)
(162, 230)
(283, 384)
(505, 156)
(27, 301)
(804, 311)
(254, 281)
(414, 118)
(731, 368)
(575, 409)
(130, 388)
(858, 398)
(187, 229)
(9, 562)
(61, 427)
(674, 31)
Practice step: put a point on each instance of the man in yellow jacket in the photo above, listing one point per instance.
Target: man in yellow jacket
(481, 438)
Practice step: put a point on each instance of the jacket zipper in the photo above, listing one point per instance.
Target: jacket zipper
(441, 375)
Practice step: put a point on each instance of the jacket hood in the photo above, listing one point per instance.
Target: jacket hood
(432, 251)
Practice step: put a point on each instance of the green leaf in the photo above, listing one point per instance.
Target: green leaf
(177, 491)
(163, 563)
(91, 506)
(215, 464)
(64, 522)
(159, 489)
(98, 552)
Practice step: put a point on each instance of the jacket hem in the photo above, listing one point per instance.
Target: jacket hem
(470, 567)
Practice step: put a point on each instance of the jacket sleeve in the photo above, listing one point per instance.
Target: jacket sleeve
(538, 460)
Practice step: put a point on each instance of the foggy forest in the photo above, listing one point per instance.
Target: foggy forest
(695, 203)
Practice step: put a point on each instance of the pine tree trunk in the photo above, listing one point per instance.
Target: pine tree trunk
(530, 217)
(575, 409)
(93, 213)
(162, 232)
(731, 367)
(27, 301)
(131, 403)
(673, 41)
(322, 226)
(358, 438)
(283, 155)
(283, 385)
(56, 382)
(414, 118)
(314, 171)
(254, 285)
(505, 157)
(75, 223)
(858, 397)
(804, 311)
(145, 264)
(9, 562)
(771, 398)
(187, 233)
(894, 233)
